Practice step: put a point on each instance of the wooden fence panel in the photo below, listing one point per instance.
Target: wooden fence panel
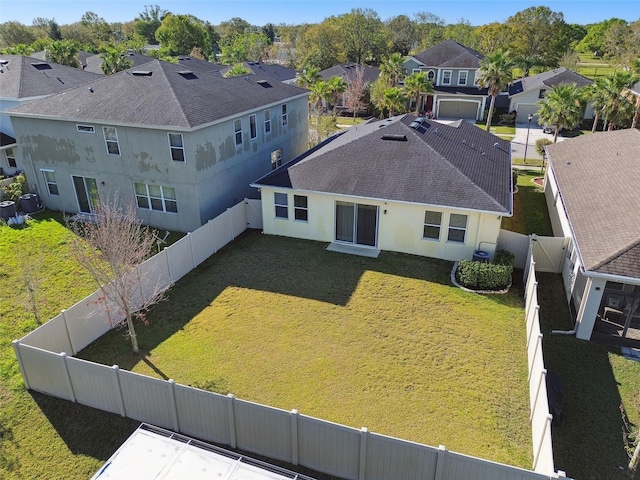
(389, 458)
(203, 414)
(95, 385)
(263, 430)
(328, 447)
(146, 399)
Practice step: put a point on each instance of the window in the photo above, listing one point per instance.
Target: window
(462, 77)
(300, 211)
(111, 139)
(237, 127)
(457, 228)
(50, 180)
(85, 128)
(176, 146)
(431, 75)
(156, 197)
(267, 121)
(285, 117)
(432, 223)
(282, 206)
(253, 131)
(416, 70)
(541, 93)
(276, 159)
(446, 77)
(11, 158)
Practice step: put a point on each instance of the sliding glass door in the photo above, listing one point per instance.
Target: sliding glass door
(356, 223)
(86, 193)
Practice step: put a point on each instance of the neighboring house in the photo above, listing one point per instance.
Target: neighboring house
(453, 70)
(404, 184)
(592, 194)
(271, 71)
(22, 80)
(346, 71)
(200, 65)
(184, 145)
(525, 93)
(82, 57)
(93, 63)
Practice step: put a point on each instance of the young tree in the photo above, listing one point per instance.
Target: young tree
(403, 33)
(178, 34)
(356, 88)
(495, 74)
(236, 70)
(561, 107)
(416, 85)
(148, 22)
(110, 248)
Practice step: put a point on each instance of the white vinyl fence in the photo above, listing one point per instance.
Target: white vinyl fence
(289, 436)
(549, 252)
(539, 417)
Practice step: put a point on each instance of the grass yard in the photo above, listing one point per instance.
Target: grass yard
(531, 162)
(530, 214)
(349, 121)
(384, 343)
(588, 445)
(43, 437)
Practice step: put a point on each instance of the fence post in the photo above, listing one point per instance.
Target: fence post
(118, 389)
(166, 251)
(193, 255)
(16, 348)
(63, 312)
(535, 354)
(536, 311)
(363, 453)
(233, 235)
(442, 452)
(294, 437)
(543, 374)
(536, 454)
(213, 237)
(63, 359)
(232, 420)
(172, 405)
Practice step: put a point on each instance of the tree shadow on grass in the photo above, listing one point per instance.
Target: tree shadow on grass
(85, 430)
(588, 444)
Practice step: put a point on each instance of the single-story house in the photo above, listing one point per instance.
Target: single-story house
(525, 93)
(591, 190)
(452, 68)
(405, 184)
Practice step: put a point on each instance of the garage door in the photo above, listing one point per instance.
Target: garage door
(524, 111)
(453, 109)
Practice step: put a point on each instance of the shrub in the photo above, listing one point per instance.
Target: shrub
(504, 257)
(508, 118)
(540, 144)
(16, 188)
(483, 275)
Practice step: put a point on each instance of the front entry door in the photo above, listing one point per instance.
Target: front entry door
(356, 223)
(87, 193)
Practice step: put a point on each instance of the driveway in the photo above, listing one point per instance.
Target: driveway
(520, 139)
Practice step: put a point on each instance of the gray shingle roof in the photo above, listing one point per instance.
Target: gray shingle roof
(343, 70)
(25, 77)
(548, 80)
(167, 97)
(437, 165)
(270, 71)
(598, 178)
(450, 54)
(93, 63)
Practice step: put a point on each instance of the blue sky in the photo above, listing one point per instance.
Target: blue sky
(260, 12)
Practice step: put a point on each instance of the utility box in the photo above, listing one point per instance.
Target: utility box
(30, 202)
(7, 210)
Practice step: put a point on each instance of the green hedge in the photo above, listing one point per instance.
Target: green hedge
(483, 275)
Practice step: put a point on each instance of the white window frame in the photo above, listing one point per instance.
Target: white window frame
(107, 141)
(237, 131)
(428, 224)
(457, 228)
(176, 148)
(442, 77)
(50, 182)
(416, 70)
(466, 77)
(253, 127)
(11, 157)
(267, 122)
(276, 158)
(285, 115)
(299, 210)
(85, 129)
(281, 208)
(164, 198)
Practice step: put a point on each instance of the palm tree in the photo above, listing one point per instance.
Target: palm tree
(416, 85)
(527, 62)
(496, 71)
(114, 61)
(63, 52)
(308, 77)
(561, 107)
(337, 86)
(392, 69)
(618, 103)
(394, 100)
(318, 92)
(596, 94)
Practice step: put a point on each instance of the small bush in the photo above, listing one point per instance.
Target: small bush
(15, 189)
(504, 257)
(483, 275)
(540, 144)
(507, 118)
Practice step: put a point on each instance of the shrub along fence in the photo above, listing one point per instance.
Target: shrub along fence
(289, 436)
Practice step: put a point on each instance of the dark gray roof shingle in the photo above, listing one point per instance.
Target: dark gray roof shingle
(26, 77)
(275, 72)
(370, 74)
(453, 165)
(548, 80)
(450, 54)
(168, 97)
(598, 178)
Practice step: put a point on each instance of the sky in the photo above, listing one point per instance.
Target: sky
(261, 12)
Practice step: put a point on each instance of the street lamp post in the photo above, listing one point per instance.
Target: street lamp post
(526, 145)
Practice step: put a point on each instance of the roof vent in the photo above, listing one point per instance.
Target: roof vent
(396, 138)
(41, 66)
(184, 58)
(142, 73)
(264, 84)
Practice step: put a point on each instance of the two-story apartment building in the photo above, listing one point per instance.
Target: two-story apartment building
(452, 68)
(182, 145)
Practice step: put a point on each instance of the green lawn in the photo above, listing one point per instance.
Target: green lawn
(340, 120)
(503, 131)
(531, 162)
(597, 379)
(530, 214)
(384, 343)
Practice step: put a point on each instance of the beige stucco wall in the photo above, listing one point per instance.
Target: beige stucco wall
(400, 229)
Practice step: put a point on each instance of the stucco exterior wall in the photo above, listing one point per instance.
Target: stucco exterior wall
(400, 225)
(532, 97)
(5, 122)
